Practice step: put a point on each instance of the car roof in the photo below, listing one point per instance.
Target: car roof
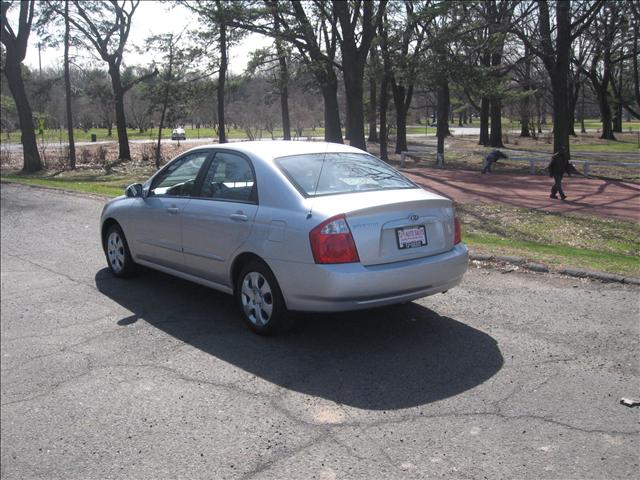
(269, 149)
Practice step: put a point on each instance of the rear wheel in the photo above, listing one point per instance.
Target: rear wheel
(260, 300)
(117, 252)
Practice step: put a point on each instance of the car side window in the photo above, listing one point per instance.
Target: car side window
(231, 178)
(179, 178)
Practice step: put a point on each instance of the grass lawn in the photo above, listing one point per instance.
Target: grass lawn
(89, 182)
(619, 146)
(557, 240)
(60, 136)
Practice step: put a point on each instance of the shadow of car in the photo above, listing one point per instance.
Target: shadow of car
(384, 359)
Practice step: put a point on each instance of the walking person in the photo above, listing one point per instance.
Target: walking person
(558, 166)
(493, 157)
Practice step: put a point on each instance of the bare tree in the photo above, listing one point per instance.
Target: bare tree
(383, 27)
(283, 79)
(106, 27)
(357, 22)
(373, 73)
(67, 89)
(219, 19)
(555, 55)
(606, 27)
(407, 53)
(310, 32)
(16, 45)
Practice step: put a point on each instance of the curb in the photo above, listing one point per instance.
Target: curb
(571, 272)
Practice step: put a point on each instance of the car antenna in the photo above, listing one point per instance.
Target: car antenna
(315, 191)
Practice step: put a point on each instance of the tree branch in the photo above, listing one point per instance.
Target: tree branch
(142, 78)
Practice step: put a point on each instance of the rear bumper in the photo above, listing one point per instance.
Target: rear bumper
(353, 286)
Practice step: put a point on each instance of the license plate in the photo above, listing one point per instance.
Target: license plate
(411, 237)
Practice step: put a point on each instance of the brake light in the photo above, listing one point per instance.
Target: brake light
(457, 236)
(332, 242)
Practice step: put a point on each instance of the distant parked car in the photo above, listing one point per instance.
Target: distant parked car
(178, 134)
(302, 226)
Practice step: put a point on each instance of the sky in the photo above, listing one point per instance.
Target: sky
(151, 17)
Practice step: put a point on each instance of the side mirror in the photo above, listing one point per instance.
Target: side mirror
(134, 190)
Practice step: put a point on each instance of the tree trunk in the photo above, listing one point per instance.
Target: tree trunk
(582, 127)
(31, 156)
(401, 99)
(538, 115)
(373, 134)
(165, 102)
(574, 90)
(560, 116)
(284, 92)
(485, 105)
(444, 107)
(160, 127)
(605, 114)
(353, 83)
(495, 138)
(329, 87)
(347, 115)
(443, 118)
(283, 81)
(121, 122)
(222, 77)
(484, 121)
(384, 103)
(67, 89)
(617, 119)
(524, 103)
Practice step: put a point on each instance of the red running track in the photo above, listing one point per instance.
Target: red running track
(588, 196)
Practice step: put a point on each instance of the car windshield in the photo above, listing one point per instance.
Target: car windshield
(316, 174)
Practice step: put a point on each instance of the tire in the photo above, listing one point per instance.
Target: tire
(116, 250)
(260, 300)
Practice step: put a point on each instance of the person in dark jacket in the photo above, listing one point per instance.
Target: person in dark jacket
(493, 157)
(558, 166)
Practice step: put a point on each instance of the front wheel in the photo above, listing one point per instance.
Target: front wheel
(260, 300)
(117, 252)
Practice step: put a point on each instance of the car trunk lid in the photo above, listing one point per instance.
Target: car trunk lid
(392, 226)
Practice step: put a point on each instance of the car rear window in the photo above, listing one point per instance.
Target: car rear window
(316, 174)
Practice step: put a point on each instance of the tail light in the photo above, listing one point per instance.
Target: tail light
(457, 236)
(332, 242)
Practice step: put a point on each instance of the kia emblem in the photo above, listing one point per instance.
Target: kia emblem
(414, 218)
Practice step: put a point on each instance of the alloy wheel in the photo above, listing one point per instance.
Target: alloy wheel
(257, 298)
(115, 252)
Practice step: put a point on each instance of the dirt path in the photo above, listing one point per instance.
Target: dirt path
(589, 196)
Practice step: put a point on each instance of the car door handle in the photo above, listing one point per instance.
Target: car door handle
(239, 217)
(173, 210)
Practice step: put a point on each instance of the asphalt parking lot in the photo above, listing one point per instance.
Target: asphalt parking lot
(510, 375)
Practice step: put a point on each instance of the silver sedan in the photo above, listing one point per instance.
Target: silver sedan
(287, 226)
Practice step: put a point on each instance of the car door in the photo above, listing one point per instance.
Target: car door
(219, 220)
(156, 218)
